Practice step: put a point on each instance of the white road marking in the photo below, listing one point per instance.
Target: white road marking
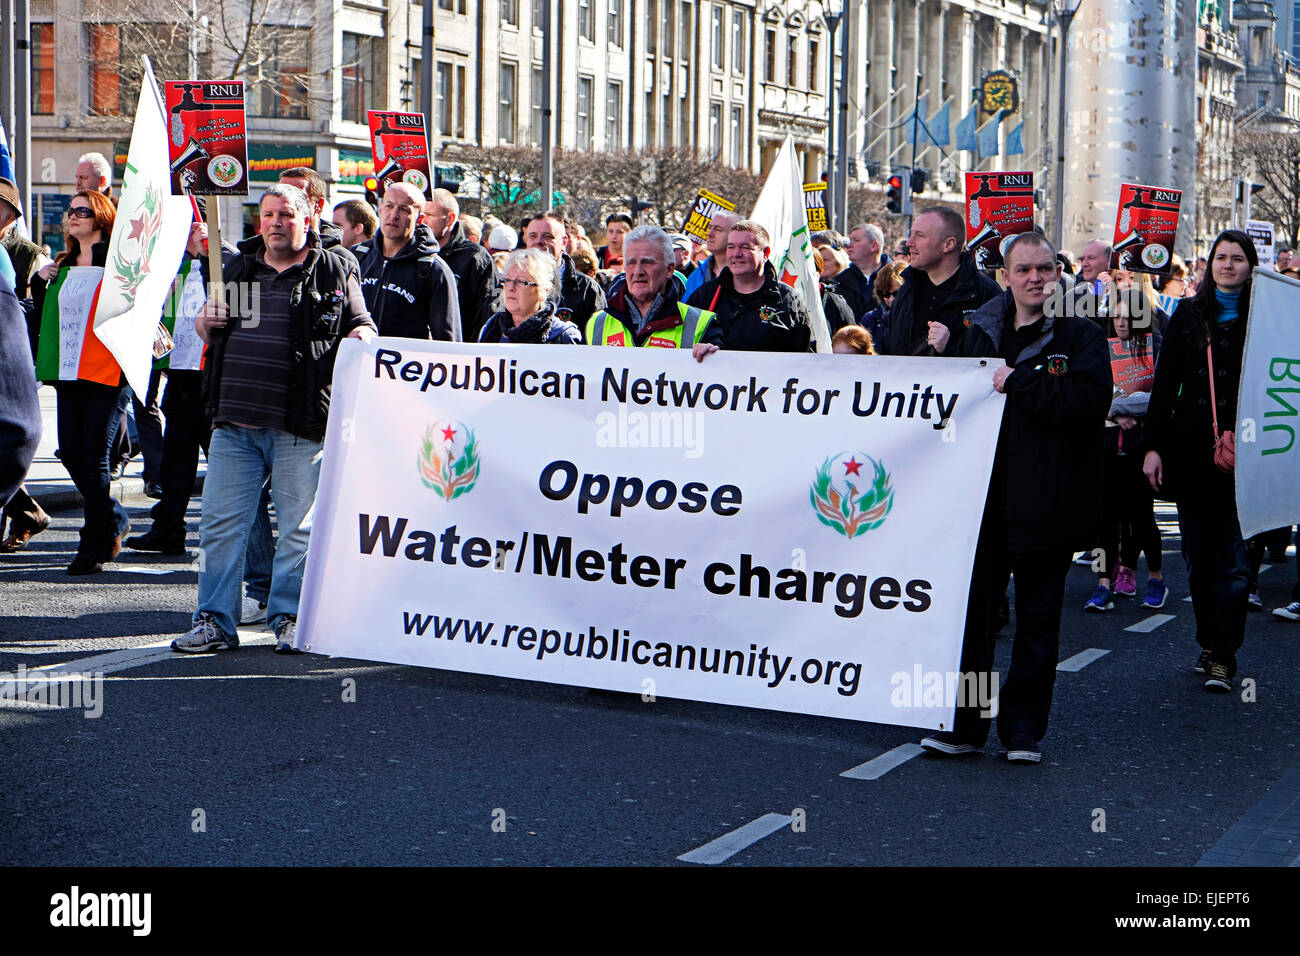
(132, 569)
(140, 656)
(1264, 567)
(1081, 660)
(729, 844)
(877, 767)
(1150, 624)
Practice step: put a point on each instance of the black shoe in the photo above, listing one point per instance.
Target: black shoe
(1218, 679)
(1023, 749)
(84, 564)
(948, 744)
(115, 546)
(153, 489)
(160, 543)
(1202, 663)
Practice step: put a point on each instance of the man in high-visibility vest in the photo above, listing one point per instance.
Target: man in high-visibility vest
(645, 305)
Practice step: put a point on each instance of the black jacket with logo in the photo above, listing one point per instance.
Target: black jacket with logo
(773, 319)
(476, 280)
(412, 294)
(1047, 474)
(908, 331)
(315, 334)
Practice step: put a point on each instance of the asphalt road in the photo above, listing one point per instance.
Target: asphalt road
(436, 767)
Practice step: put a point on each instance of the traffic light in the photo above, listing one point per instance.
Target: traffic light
(895, 202)
(372, 191)
(919, 177)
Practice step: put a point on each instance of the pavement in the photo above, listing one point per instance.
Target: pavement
(48, 480)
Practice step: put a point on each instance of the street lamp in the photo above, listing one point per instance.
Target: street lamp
(837, 137)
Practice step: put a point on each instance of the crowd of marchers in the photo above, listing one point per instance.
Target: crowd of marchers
(1078, 466)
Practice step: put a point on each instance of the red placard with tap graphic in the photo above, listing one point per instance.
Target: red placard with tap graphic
(1131, 372)
(401, 149)
(998, 206)
(1145, 227)
(207, 137)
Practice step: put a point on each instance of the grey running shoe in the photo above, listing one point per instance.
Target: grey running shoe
(205, 636)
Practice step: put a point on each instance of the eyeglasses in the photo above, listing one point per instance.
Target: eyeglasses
(888, 295)
(519, 282)
(81, 212)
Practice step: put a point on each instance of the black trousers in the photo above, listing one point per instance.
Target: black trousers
(1218, 575)
(1025, 700)
(23, 512)
(149, 428)
(188, 430)
(89, 417)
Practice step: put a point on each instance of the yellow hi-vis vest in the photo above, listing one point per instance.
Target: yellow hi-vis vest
(605, 329)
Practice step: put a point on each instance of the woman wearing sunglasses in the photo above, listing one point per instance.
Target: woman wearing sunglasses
(92, 394)
(530, 291)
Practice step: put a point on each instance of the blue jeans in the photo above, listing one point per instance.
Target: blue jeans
(239, 460)
(260, 559)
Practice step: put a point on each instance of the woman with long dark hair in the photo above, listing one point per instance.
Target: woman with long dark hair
(1193, 403)
(92, 394)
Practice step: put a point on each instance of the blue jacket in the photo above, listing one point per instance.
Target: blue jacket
(20, 413)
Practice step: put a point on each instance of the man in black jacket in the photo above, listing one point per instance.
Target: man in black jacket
(266, 384)
(477, 287)
(580, 296)
(856, 283)
(757, 312)
(1042, 501)
(941, 288)
(409, 290)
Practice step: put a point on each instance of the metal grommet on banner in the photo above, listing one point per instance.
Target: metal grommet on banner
(983, 362)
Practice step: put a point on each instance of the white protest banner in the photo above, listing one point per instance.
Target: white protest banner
(147, 245)
(780, 209)
(789, 532)
(1268, 407)
(1261, 233)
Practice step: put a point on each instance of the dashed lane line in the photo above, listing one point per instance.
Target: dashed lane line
(877, 767)
(1081, 660)
(729, 844)
(1150, 624)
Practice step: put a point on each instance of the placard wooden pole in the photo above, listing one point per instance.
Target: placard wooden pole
(214, 245)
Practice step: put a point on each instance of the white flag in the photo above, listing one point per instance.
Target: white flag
(1268, 407)
(147, 245)
(780, 208)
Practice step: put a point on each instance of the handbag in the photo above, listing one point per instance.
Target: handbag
(1225, 443)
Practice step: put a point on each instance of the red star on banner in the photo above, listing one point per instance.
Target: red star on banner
(137, 228)
(448, 434)
(789, 278)
(851, 466)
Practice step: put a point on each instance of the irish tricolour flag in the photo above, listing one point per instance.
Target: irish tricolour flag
(69, 302)
(148, 243)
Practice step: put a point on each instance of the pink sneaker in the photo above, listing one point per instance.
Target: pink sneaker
(1125, 582)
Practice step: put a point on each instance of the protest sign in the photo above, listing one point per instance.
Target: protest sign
(600, 518)
(1131, 371)
(814, 197)
(401, 149)
(207, 138)
(998, 205)
(1261, 233)
(1145, 228)
(706, 205)
(1268, 407)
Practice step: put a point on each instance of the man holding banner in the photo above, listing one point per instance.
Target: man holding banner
(1042, 502)
(267, 386)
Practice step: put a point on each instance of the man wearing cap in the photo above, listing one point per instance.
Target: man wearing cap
(23, 516)
(682, 249)
(645, 306)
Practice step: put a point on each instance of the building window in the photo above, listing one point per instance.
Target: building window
(769, 57)
(360, 92)
(651, 25)
(684, 137)
(43, 68)
(813, 72)
(539, 90)
(509, 96)
(737, 146)
(411, 102)
(510, 12)
(792, 61)
(584, 125)
(667, 125)
(613, 115)
(449, 100)
(715, 130)
(282, 94)
(106, 69)
(738, 41)
(614, 24)
(455, 6)
(537, 15)
(650, 126)
(586, 21)
(717, 38)
(666, 26)
(684, 31)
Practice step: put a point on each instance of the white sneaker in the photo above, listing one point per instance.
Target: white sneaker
(252, 612)
(1289, 613)
(205, 636)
